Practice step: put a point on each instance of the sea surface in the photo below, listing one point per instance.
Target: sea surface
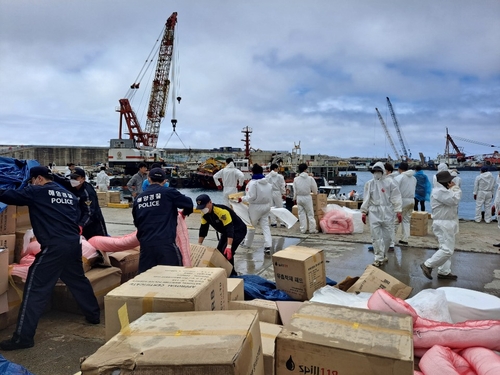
(466, 208)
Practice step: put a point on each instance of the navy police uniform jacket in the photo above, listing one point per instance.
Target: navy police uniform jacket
(155, 214)
(53, 212)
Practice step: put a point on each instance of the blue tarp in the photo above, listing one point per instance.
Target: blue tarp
(258, 287)
(9, 368)
(14, 174)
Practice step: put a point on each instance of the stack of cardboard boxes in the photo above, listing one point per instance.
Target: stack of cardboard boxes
(102, 198)
(319, 203)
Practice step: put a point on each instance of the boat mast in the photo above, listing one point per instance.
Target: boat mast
(247, 131)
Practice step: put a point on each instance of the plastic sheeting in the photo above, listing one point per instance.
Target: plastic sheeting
(14, 174)
(10, 368)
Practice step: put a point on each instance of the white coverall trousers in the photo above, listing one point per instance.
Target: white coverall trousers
(227, 191)
(278, 203)
(259, 215)
(445, 231)
(103, 187)
(306, 213)
(497, 207)
(405, 223)
(381, 228)
(483, 198)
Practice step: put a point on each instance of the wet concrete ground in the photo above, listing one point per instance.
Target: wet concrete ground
(63, 338)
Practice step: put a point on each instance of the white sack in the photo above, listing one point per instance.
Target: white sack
(284, 215)
(357, 221)
(334, 296)
(466, 304)
(431, 304)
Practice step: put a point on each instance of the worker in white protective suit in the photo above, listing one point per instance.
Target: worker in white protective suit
(483, 194)
(232, 178)
(497, 205)
(381, 198)
(441, 167)
(259, 196)
(390, 173)
(102, 180)
(303, 186)
(277, 181)
(406, 183)
(444, 202)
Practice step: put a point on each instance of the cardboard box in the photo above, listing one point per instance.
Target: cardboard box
(113, 196)
(4, 270)
(166, 289)
(22, 217)
(9, 242)
(8, 220)
(268, 334)
(11, 305)
(344, 340)
(268, 310)
(319, 200)
(102, 198)
(419, 223)
(235, 289)
(299, 271)
(204, 256)
(127, 261)
(194, 343)
(295, 211)
(374, 278)
(102, 280)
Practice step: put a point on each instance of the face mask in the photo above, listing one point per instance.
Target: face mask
(377, 175)
(205, 211)
(74, 183)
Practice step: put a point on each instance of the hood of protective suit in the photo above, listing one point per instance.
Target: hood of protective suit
(261, 181)
(442, 167)
(304, 175)
(409, 173)
(230, 165)
(379, 164)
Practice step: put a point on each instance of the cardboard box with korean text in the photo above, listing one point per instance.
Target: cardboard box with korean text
(235, 289)
(194, 343)
(113, 196)
(102, 280)
(22, 217)
(10, 306)
(166, 289)
(204, 256)
(374, 278)
(102, 198)
(327, 339)
(8, 220)
(419, 223)
(8, 241)
(268, 333)
(299, 271)
(127, 261)
(268, 311)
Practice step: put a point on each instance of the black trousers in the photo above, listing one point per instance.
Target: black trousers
(162, 254)
(237, 240)
(422, 205)
(62, 261)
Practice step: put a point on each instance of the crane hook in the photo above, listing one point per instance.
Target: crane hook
(179, 99)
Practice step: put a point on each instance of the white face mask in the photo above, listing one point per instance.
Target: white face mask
(205, 211)
(74, 183)
(377, 175)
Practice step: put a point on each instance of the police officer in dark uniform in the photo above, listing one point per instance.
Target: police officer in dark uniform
(155, 216)
(91, 218)
(54, 216)
(225, 221)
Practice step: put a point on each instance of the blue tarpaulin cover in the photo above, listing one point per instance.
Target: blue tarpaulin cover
(9, 368)
(257, 287)
(14, 174)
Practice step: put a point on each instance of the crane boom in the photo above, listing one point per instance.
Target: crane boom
(159, 95)
(388, 135)
(161, 83)
(396, 125)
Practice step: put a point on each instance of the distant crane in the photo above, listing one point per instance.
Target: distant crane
(459, 152)
(396, 125)
(388, 135)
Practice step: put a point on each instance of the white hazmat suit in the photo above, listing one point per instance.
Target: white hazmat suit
(483, 194)
(303, 186)
(258, 195)
(497, 200)
(444, 204)
(231, 178)
(381, 199)
(406, 184)
(102, 181)
(277, 181)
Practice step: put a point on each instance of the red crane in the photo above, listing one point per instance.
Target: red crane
(159, 95)
(459, 153)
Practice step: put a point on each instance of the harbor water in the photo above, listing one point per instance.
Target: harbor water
(466, 208)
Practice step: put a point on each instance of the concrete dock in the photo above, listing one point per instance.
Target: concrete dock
(63, 338)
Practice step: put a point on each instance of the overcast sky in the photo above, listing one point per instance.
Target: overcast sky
(294, 71)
